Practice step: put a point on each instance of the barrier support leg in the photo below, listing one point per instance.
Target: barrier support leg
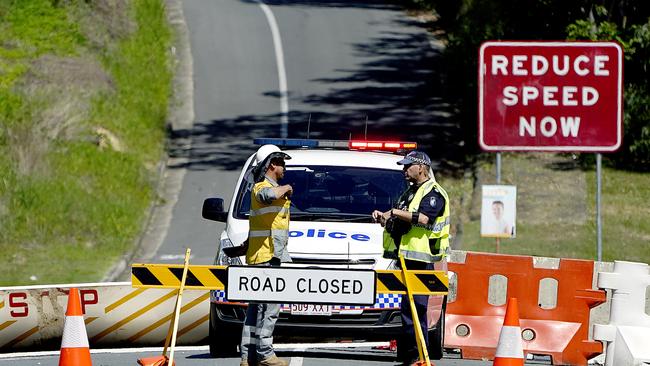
(419, 336)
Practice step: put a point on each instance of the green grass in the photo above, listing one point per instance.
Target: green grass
(69, 207)
(556, 208)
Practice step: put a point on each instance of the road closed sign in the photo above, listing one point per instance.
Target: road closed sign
(550, 96)
(301, 285)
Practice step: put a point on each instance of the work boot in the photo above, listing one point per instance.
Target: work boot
(273, 361)
(245, 363)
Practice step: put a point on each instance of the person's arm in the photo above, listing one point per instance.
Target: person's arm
(408, 216)
(269, 194)
(431, 206)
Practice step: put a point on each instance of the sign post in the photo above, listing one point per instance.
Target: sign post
(551, 96)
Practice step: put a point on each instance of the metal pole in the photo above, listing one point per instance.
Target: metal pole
(498, 182)
(498, 168)
(599, 227)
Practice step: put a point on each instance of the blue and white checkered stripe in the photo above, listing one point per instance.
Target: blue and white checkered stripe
(383, 301)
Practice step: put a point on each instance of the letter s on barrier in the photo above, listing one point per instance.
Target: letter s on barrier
(14, 302)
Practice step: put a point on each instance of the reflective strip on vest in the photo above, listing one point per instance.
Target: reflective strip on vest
(269, 209)
(265, 233)
(440, 225)
(419, 256)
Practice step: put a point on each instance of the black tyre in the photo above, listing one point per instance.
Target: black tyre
(222, 343)
(437, 335)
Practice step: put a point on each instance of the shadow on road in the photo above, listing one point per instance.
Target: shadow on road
(397, 89)
(367, 4)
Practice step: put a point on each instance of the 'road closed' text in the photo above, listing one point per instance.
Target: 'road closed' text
(301, 285)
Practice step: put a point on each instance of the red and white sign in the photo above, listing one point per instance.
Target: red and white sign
(550, 96)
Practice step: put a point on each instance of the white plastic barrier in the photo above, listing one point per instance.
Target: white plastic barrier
(31, 317)
(627, 336)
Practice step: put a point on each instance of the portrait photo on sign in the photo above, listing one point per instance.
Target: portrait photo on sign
(498, 211)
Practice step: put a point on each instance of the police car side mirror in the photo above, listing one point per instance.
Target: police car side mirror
(213, 210)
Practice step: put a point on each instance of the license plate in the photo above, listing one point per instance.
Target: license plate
(311, 309)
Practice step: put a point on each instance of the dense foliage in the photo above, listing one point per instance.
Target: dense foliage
(84, 89)
(468, 23)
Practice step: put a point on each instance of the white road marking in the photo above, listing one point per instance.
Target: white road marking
(297, 361)
(282, 74)
(299, 347)
(171, 257)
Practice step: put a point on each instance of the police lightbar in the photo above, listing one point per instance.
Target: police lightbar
(382, 145)
(346, 144)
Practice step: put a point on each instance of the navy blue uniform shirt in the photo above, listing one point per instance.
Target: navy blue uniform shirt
(432, 204)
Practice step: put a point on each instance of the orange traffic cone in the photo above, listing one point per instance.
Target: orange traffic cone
(74, 345)
(510, 349)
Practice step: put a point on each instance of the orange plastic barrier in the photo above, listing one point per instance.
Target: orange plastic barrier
(561, 332)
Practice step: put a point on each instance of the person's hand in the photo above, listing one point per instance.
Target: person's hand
(381, 217)
(376, 215)
(289, 190)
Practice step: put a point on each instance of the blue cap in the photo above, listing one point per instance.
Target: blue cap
(415, 157)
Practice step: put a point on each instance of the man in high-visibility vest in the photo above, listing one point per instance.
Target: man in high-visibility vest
(417, 227)
(267, 246)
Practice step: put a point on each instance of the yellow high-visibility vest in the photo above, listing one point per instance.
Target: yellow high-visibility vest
(415, 244)
(265, 220)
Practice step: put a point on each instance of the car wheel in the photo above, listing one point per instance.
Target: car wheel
(222, 344)
(437, 335)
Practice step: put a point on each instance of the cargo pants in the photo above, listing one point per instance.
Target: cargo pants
(257, 332)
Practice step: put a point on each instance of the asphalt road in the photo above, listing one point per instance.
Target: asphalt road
(339, 69)
(345, 62)
(199, 356)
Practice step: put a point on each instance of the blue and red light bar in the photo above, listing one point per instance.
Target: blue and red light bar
(340, 144)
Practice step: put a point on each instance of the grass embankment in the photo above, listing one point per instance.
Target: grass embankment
(83, 98)
(556, 209)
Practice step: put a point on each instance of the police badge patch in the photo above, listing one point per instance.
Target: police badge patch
(432, 202)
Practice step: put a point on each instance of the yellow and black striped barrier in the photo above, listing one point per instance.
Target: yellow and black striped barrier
(204, 277)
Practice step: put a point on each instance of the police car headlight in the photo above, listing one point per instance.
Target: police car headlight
(222, 259)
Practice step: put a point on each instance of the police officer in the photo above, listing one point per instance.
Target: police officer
(267, 246)
(417, 228)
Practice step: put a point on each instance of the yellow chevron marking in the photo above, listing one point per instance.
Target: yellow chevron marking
(6, 324)
(129, 318)
(124, 299)
(135, 282)
(394, 281)
(200, 321)
(207, 277)
(2, 304)
(164, 320)
(164, 275)
(90, 319)
(21, 337)
(388, 281)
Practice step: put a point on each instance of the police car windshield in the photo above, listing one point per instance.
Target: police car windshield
(334, 193)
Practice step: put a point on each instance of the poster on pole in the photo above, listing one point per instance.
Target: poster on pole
(498, 211)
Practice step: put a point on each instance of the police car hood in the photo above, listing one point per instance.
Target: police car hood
(309, 237)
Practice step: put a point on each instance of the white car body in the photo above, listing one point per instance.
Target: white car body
(323, 243)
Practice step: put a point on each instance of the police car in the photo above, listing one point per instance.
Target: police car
(336, 186)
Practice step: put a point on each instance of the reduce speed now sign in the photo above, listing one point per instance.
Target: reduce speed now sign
(550, 96)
